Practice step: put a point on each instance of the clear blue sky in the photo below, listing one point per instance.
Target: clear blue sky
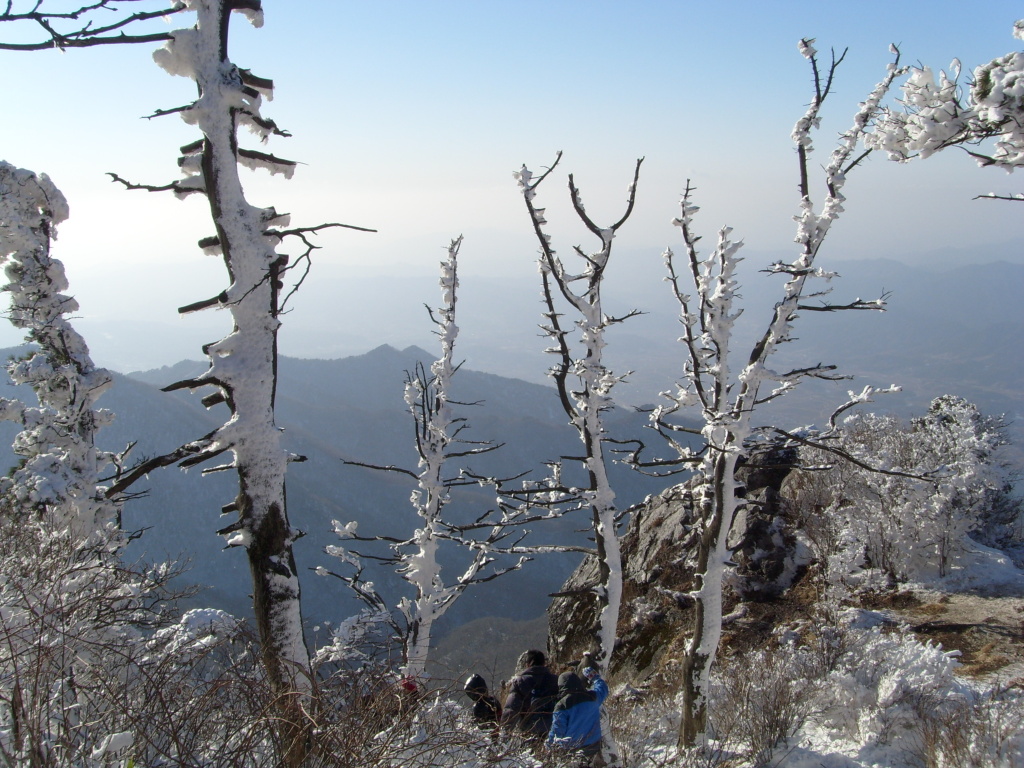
(411, 117)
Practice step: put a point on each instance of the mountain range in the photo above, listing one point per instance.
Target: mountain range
(333, 411)
(951, 329)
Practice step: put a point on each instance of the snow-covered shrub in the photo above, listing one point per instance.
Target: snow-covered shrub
(875, 692)
(646, 727)
(357, 639)
(942, 481)
(78, 660)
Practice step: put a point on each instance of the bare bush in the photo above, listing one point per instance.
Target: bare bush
(763, 698)
(383, 729)
(93, 659)
(981, 731)
(645, 724)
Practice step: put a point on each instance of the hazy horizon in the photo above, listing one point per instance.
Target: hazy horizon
(411, 119)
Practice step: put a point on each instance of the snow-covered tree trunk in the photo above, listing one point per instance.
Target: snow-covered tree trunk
(439, 441)
(243, 365)
(428, 402)
(584, 383)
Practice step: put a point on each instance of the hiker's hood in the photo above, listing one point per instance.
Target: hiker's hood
(570, 682)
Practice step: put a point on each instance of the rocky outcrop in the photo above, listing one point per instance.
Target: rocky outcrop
(659, 572)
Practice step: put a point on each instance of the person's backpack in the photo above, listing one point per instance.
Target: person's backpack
(535, 716)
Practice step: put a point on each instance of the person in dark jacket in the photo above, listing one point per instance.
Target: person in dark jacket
(576, 722)
(531, 698)
(486, 709)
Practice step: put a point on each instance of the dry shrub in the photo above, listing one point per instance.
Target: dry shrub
(932, 609)
(763, 698)
(646, 726)
(986, 731)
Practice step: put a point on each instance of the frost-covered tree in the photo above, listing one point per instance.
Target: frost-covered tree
(74, 620)
(944, 484)
(938, 113)
(58, 476)
(728, 386)
(583, 382)
(443, 448)
(243, 365)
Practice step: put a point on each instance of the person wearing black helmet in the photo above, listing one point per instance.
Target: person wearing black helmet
(486, 709)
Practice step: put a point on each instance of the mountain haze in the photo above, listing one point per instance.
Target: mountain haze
(349, 409)
(950, 329)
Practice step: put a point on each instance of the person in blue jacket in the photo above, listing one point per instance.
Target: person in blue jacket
(576, 724)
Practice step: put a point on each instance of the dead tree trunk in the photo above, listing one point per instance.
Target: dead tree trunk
(243, 365)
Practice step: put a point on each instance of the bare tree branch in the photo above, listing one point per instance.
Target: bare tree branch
(83, 33)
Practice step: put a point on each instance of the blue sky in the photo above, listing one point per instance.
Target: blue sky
(411, 117)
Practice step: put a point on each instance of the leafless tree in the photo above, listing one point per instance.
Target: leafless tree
(444, 448)
(726, 399)
(584, 385)
(582, 380)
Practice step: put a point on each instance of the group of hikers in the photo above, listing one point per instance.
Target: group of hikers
(559, 713)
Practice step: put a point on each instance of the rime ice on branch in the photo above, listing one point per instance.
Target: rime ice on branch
(728, 391)
(936, 115)
(584, 384)
(583, 381)
(440, 443)
(60, 467)
(243, 365)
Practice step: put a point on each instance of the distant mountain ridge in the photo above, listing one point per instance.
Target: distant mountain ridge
(951, 330)
(332, 411)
